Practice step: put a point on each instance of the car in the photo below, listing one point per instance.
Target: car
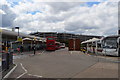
(62, 45)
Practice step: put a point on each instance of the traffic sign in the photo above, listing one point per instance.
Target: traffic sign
(0, 30)
(19, 39)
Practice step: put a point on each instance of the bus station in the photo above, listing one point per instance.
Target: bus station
(59, 40)
(35, 48)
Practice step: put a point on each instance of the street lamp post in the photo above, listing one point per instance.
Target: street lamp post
(119, 40)
(34, 48)
(18, 30)
(64, 36)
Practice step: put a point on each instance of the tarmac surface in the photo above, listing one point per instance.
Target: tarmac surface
(63, 64)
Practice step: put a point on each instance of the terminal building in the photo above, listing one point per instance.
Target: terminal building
(44, 34)
(10, 39)
(64, 36)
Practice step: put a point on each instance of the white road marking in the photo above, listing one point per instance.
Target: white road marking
(7, 75)
(43, 51)
(24, 70)
(23, 67)
(35, 75)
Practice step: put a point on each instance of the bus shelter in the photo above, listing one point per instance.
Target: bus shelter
(92, 45)
(27, 44)
(38, 44)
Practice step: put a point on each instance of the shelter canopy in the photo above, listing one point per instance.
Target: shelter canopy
(91, 40)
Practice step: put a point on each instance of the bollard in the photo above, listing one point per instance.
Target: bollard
(10, 58)
(4, 61)
(7, 60)
(34, 49)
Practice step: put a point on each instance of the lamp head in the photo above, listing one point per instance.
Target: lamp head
(16, 27)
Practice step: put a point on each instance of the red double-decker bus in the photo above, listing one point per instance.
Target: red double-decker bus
(50, 43)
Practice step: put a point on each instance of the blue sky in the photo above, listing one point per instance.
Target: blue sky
(92, 3)
(34, 12)
(16, 2)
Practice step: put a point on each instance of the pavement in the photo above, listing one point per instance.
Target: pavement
(63, 64)
(100, 70)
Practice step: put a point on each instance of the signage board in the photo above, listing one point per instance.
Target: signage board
(19, 39)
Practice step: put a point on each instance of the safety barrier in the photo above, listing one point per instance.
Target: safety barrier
(7, 61)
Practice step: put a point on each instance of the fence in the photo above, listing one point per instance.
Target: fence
(7, 61)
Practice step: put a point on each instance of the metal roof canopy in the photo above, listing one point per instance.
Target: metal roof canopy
(27, 39)
(91, 40)
(12, 33)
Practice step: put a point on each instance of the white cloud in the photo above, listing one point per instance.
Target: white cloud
(24, 7)
(97, 19)
(100, 19)
(2, 12)
(75, 0)
(3, 2)
(6, 14)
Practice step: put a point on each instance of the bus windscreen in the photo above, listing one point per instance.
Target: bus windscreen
(50, 38)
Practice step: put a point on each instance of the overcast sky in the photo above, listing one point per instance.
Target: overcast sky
(90, 18)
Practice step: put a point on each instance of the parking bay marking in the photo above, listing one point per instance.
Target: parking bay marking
(35, 75)
(23, 73)
(26, 72)
(41, 52)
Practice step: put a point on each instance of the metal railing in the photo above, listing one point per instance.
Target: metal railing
(7, 61)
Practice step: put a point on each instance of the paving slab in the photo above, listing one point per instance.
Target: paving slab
(100, 70)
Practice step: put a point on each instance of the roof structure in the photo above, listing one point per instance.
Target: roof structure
(25, 36)
(91, 40)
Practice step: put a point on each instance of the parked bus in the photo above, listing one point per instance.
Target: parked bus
(106, 46)
(50, 43)
(110, 45)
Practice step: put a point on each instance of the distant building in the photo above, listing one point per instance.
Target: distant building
(62, 37)
(45, 34)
